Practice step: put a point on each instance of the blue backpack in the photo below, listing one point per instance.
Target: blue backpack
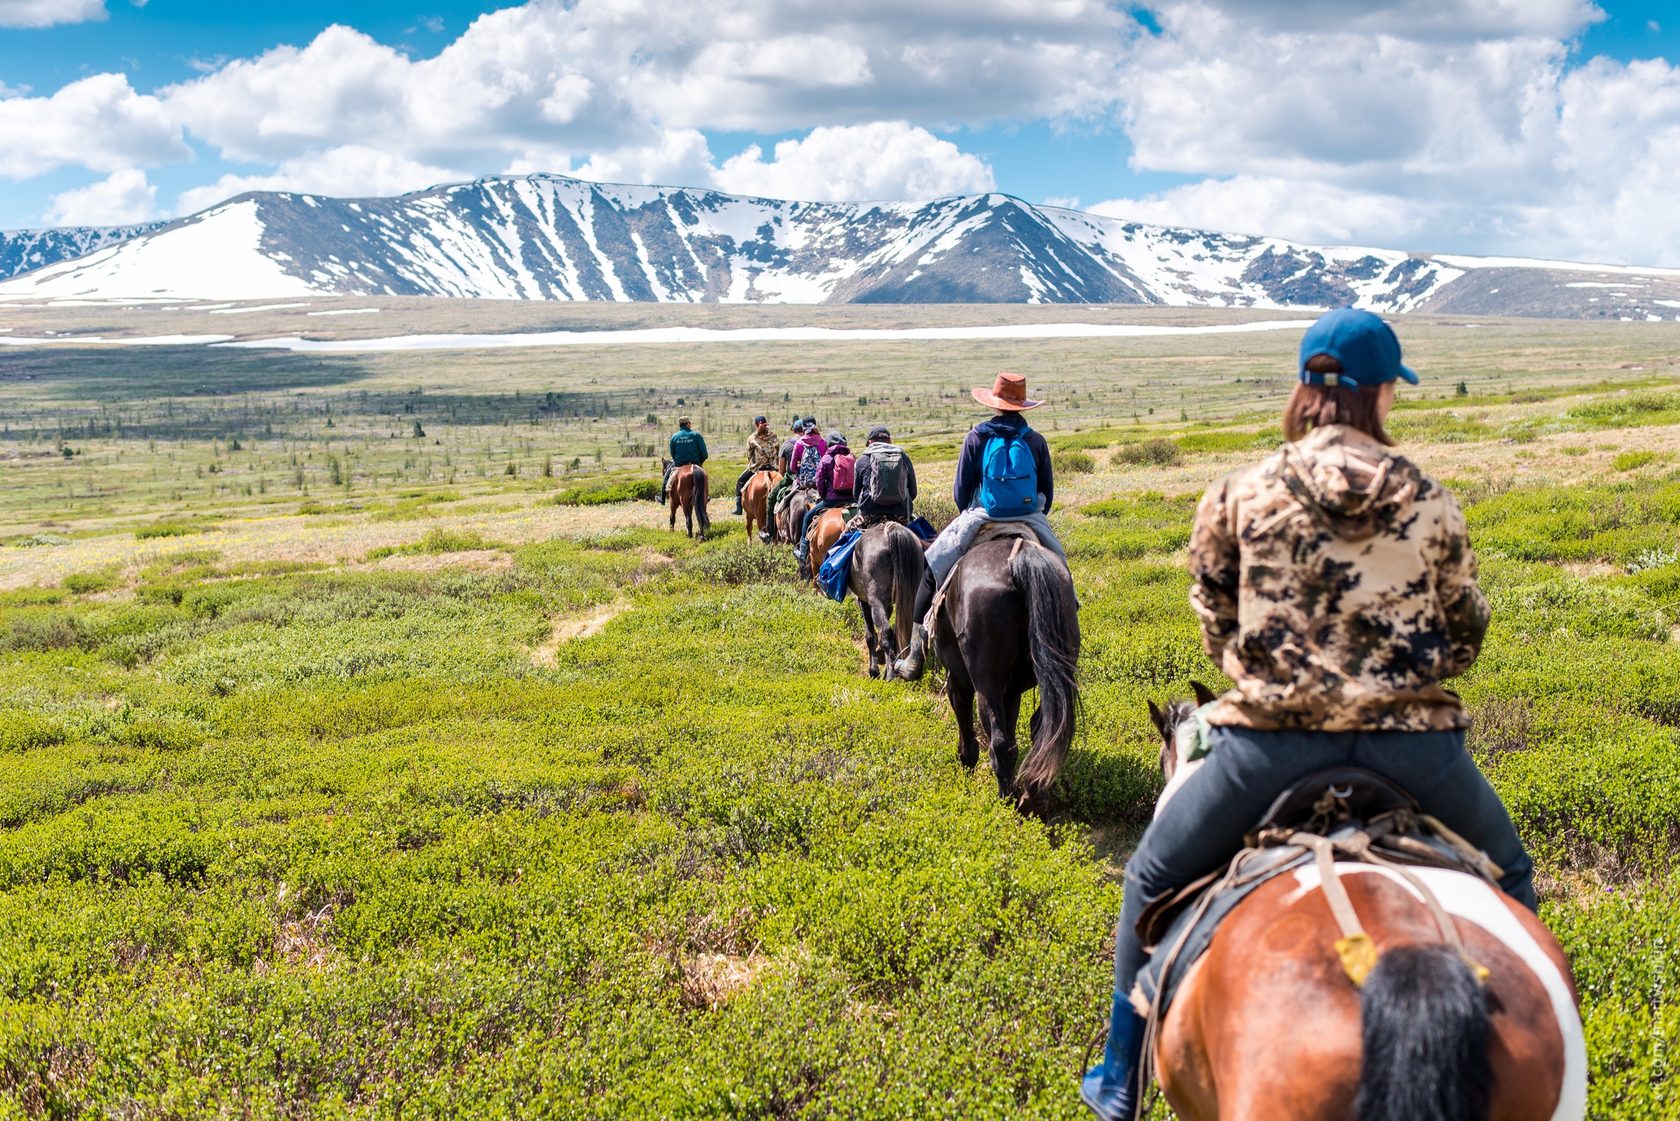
(1008, 477)
(836, 571)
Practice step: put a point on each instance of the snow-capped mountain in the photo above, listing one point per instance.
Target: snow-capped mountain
(548, 237)
(23, 251)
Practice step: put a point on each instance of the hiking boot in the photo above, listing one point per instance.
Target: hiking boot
(910, 667)
(738, 510)
(1111, 1090)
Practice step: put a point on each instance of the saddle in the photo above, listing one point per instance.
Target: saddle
(1346, 813)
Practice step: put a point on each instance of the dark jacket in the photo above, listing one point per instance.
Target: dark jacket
(865, 470)
(688, 446)
(967, 487)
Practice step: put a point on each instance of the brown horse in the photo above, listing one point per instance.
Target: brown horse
(1266, 1026)
(1010, 621)
(688, 490)
(825, 530)
(886, 571)
(792, 515)
(755, 498)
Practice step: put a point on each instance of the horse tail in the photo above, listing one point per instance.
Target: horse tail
(1053, 638)
(702, 495)
(907, 565)
(1425, 1027)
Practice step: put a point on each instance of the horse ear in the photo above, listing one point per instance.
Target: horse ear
(1159, 717)
(1203, 693)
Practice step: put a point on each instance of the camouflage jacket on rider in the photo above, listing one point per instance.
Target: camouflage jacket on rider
(762, 451)
(1336, 587)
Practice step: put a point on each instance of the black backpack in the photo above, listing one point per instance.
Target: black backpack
(889, 476)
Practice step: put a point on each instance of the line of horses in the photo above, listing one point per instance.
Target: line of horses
(1266, 1026)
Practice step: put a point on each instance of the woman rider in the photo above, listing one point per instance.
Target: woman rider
(1336, 587)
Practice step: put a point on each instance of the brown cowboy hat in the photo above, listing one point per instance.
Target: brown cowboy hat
(1008, 392)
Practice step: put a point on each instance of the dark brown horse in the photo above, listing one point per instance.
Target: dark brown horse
(755, 498)
(786, 523)
(688, 490)
(1267, 1026)
(1010, 621)
(886, 570)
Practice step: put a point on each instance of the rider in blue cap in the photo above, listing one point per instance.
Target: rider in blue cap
(1336, 588)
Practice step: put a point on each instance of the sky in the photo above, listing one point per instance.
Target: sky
(1545, 128)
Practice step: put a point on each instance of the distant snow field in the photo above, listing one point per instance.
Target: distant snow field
(666, 335)
(659, 335)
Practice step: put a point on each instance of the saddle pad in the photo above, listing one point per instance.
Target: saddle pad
(1192, 930)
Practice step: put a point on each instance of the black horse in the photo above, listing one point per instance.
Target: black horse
(1010, 621)
(887, 567)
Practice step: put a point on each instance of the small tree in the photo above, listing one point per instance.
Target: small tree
(1462, 390)
(418, 432)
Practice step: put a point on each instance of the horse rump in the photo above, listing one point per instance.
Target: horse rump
(908, 563)
(1424, 1023)
(1053, 639)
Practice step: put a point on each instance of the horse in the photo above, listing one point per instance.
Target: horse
(825, 530)
(1009, 621)
(785, 525)
(688, 490)
(1266, 1024)
(755, 498)
(887, 567)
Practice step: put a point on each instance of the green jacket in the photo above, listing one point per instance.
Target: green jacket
(688, 446)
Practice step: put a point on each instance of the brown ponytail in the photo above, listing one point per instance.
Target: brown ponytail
(1314, 406)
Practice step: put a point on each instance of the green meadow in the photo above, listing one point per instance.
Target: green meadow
(369, 748)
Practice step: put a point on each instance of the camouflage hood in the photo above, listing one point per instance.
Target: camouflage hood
(1350, 484)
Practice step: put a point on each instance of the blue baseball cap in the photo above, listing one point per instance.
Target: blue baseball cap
(1361, 342)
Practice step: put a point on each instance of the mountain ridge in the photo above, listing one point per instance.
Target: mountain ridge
(551, 237)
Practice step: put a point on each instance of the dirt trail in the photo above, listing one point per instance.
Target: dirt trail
(569, 628)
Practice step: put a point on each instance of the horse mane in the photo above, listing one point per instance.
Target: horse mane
(1425, 1033)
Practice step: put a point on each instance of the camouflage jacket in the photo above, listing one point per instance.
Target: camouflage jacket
(1336, 587)
(762, 450)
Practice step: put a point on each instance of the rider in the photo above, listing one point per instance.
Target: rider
(1335, 585)
(1003, 475)
(885, 484)
(807, 455)
(784, 459)
(836, 480)
(761, 455)
(688, 447)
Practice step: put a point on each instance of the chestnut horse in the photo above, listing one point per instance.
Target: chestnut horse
(1009, 620)
(825, 530)
(755, 498)
(688, 490)
(1266, 1026)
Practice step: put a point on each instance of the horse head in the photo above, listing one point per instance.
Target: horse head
(1169, 719)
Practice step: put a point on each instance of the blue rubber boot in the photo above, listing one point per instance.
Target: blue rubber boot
(1111, 1090)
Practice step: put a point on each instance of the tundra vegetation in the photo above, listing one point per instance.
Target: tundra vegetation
(345, 773)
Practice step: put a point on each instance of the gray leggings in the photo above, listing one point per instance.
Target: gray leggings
(1202, 827)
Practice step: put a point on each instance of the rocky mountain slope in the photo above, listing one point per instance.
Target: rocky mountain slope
(547, 237)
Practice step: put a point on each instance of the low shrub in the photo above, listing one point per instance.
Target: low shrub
(1629, 461)
(1150, 453)
(601, 494)
(1074, 462)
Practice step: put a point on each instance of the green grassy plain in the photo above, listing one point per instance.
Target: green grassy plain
(411, 786)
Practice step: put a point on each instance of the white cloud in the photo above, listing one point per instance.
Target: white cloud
(885, 160)
(1447, 126)
(1317, 213)
(346, 171)
(99, 123)
(46, 13)
(122, 199)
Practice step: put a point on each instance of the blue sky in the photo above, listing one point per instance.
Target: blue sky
(1448, 125)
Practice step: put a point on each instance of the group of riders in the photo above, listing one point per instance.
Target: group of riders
(1335, 586)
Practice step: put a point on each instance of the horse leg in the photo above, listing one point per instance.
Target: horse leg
(884, 634)
(871, 639)
(1000, 712)
(962, 704)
